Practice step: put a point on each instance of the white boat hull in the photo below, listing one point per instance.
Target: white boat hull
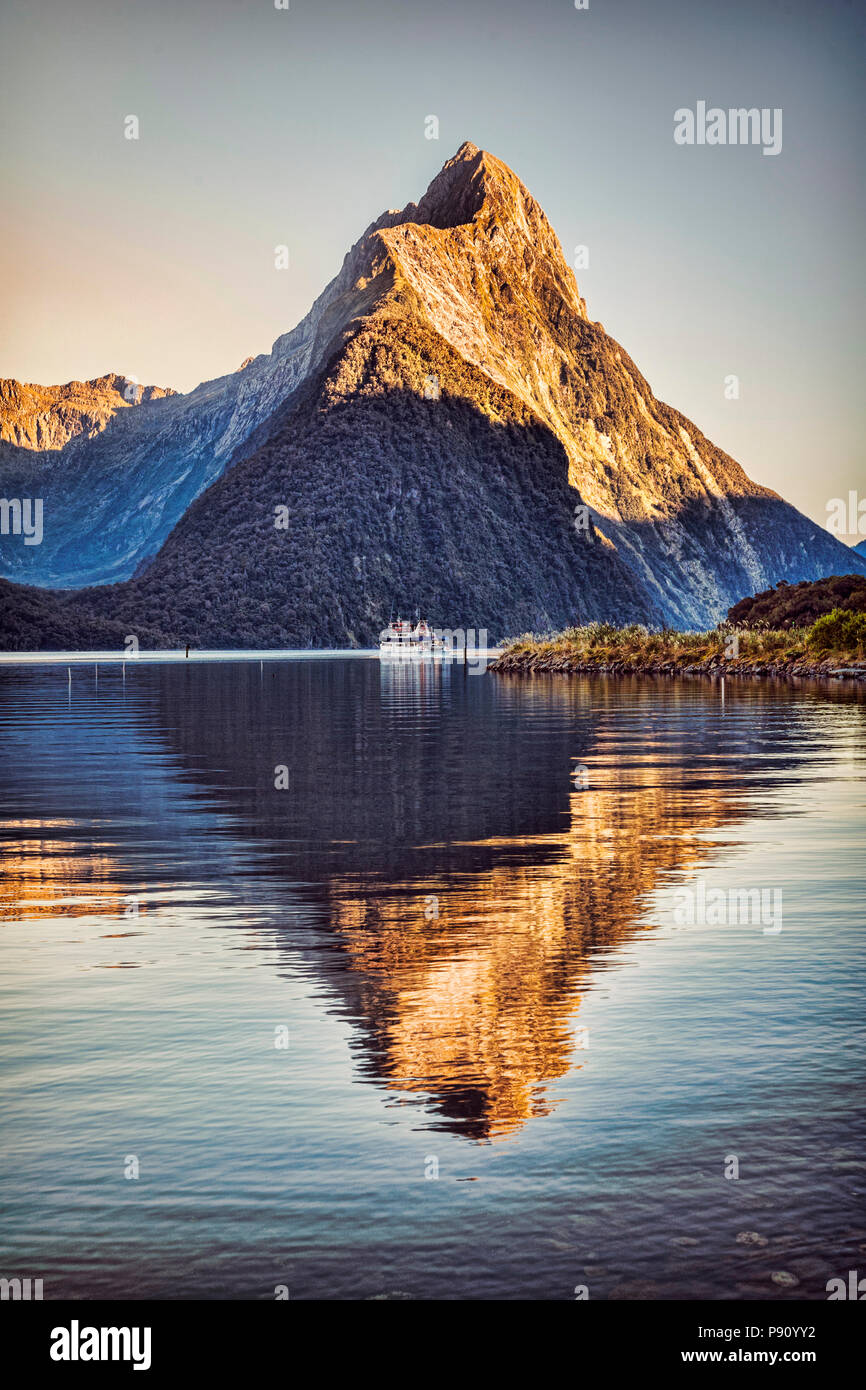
(411, 651)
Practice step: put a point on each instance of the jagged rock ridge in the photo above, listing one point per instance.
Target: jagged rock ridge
(47, 417)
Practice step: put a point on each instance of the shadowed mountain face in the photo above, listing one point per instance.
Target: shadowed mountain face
(465, 304)
(460, 505)
(112, 495)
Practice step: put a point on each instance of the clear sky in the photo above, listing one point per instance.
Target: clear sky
(259, 127)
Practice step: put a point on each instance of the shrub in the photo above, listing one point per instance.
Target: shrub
(839, 630)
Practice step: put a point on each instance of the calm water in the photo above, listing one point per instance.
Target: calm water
(577, 1063)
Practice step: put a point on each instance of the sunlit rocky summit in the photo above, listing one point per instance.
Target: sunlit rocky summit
(48, 417)
(446, 428)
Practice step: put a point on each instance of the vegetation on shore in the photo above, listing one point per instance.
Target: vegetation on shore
(798, 605)
(837, 639)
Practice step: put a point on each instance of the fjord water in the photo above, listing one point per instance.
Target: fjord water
(426, 1021)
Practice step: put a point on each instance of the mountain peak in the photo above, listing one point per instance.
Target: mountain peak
(470, 183)
(483, 262)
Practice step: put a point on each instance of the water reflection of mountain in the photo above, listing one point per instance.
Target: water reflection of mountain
(472, 890)
(430, 862)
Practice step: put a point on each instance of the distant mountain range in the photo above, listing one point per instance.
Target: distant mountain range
(48, 417)
(446, 429)
(860, 548)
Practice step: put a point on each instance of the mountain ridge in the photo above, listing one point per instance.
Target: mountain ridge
(474, 274)
(47, 417)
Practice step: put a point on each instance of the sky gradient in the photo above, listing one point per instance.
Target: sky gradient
(260, 127)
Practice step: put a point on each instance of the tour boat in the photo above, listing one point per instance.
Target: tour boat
(405, 639)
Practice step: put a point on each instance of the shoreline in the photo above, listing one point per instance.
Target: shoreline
(533, 663)
(178, 656)
(545, 659)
